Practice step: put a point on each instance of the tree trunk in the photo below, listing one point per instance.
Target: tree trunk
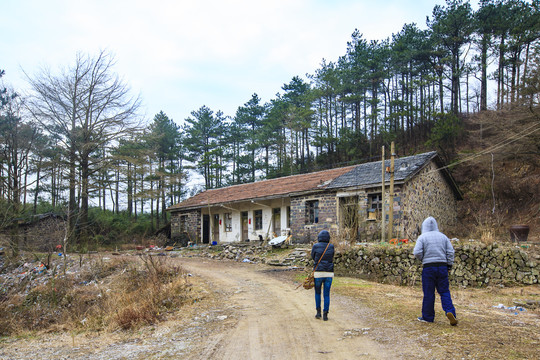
(483, 76)
(37, 190)
(72, 205)
(129, 190)
(85, 173)
(500, 75)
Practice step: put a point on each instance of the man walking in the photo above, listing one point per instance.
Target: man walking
(435, 251)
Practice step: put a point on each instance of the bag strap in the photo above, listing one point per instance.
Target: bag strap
(318, 262)
(315, 268)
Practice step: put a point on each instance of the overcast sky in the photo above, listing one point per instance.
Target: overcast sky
(180, 55)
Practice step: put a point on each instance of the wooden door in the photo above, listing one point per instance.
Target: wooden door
(277, 221)
(215, 228)
(245, 234)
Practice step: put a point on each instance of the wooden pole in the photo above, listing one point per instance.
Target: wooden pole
(383, 215)
(391, 203)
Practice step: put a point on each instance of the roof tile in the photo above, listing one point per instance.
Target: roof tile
(265, 188)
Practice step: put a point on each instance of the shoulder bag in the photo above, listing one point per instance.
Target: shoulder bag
(309, 281)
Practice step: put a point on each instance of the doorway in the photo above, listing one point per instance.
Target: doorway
(206, 229)
(244, 219)
(277, 221)
(215, 228)
(348, 208)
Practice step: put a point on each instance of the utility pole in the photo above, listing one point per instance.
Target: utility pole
(383, 215)
(391, 203)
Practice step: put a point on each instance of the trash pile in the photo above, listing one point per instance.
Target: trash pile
(31, 273)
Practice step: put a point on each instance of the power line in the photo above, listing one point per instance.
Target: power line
(528, 131)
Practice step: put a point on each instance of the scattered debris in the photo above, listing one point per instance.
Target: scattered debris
(355, 332)
(514, 309)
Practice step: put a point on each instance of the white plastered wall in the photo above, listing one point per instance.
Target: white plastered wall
(236, 209)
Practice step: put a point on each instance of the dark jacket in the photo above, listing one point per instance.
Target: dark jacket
(327, 262)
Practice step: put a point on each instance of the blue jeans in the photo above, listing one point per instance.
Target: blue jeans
(327, 282)
(435, 277)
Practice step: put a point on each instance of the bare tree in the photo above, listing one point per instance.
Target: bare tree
(86, 107)
(16, 139)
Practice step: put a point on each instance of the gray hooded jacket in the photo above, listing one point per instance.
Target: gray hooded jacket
(433, 246)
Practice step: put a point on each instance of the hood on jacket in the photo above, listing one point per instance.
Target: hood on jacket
(430, 224)
(324, 236)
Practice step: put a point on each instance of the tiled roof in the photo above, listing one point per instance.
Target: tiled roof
(264, 189)
(362, 175)
(371, 173)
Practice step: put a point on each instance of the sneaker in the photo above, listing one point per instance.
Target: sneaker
(421, 319)
(452, 318)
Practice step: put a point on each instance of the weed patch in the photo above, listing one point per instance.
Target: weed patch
(108, 294)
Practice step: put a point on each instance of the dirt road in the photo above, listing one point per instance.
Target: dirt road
(276, 321)
(250, 312)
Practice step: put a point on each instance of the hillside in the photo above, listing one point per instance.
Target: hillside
(497, 169)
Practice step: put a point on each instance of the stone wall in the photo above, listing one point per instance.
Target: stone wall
(475, 265)
(370, 230)
(42, 235)
(306, 233)
(427, 194)
(193, 227)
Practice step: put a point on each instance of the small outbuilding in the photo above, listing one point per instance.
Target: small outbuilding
(42, 232)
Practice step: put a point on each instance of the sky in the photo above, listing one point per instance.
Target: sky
(180, 55)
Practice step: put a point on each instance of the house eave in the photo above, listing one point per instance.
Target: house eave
(262, 198)
(368, 186)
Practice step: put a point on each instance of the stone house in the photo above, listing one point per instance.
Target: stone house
(40, 232)
(346, 201)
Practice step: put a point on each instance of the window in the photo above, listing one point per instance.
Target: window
(257, 214)
(228, 222)
(312, 212)
(375, 206)
(183, 223)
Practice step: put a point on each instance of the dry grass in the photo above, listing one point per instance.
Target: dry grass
(483, 332)
(487, 237)
(342, 246)
(117, 293)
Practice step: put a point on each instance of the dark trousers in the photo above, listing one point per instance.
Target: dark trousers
(435, 277)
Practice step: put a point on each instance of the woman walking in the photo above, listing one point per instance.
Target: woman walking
(322, 254)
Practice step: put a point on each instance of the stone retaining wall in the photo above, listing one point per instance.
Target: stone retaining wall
(475, 265)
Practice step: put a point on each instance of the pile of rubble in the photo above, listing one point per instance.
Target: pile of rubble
(252, 252)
